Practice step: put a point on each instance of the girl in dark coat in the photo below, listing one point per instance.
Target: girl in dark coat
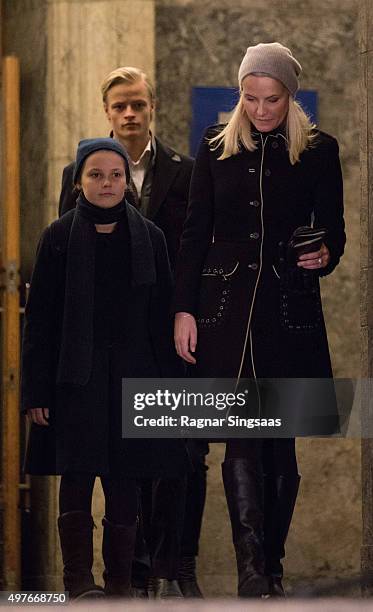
(98, 311)
(257, 179)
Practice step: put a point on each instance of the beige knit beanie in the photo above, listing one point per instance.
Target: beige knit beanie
(274, 60)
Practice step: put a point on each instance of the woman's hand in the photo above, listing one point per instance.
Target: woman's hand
(39, 416)
(185, 336)
(316, 260)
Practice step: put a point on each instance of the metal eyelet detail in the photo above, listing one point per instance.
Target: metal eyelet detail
(223, 278)
(295, 326)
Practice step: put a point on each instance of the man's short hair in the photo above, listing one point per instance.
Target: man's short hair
(127, 75)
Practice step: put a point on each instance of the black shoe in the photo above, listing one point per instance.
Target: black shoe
(139, 593)
(187, 578)
(244, 493)
(161, 588)
(118, 547)
(76, 533)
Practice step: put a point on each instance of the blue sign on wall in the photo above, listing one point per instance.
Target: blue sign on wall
(212, 104)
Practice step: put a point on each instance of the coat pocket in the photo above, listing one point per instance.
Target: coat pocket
(300, 311)
(215, 292)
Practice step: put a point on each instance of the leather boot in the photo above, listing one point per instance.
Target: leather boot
(187, 578)
(118, 547)
(280, 494)
(244, 493)
(162, 588)
(76, 537)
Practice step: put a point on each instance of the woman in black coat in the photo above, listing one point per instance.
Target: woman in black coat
(257, 310)
(98, 312)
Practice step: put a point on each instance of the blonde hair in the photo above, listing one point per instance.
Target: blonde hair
(300, 132)
(127, 75)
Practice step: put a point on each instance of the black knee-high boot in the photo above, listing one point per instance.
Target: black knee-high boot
(244, 492)
(118, 546)
(76, 533)
(280, 494)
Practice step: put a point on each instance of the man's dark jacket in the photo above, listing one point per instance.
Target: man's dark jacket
(169, 194)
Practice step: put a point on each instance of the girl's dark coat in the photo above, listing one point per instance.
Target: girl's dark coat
(81, 435)
(240, 210)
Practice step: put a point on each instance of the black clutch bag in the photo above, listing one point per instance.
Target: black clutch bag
(304, 240)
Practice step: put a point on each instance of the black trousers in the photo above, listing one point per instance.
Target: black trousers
(158, 539)
(195, 500)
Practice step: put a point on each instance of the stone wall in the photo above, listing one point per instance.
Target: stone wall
(202, 44)
(366, 157)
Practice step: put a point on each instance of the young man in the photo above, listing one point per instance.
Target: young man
(160, 176)
(160, 180)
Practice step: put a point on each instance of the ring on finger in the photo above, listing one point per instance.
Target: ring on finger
(320, 261)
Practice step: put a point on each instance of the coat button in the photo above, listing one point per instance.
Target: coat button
(253, 266)
(274, 144)
(254, 235)
(254, 203)
(267, 172)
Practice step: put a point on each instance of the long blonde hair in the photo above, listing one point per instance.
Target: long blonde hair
(300, 132)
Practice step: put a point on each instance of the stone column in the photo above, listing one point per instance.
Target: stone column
(86, 40)
(366, 158)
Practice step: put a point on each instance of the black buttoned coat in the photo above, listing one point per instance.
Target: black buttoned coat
(168, 199)
(228, 270)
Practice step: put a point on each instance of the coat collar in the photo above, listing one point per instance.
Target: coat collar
(143, 267)
(166, 167)
(279, 133)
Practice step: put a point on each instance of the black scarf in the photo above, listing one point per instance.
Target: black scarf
(96, 214)
(75, 361)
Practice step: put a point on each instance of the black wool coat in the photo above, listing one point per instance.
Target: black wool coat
(81, 430)
(227, 273)
(168, 199)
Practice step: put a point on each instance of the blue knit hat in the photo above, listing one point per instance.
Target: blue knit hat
(91, 145)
